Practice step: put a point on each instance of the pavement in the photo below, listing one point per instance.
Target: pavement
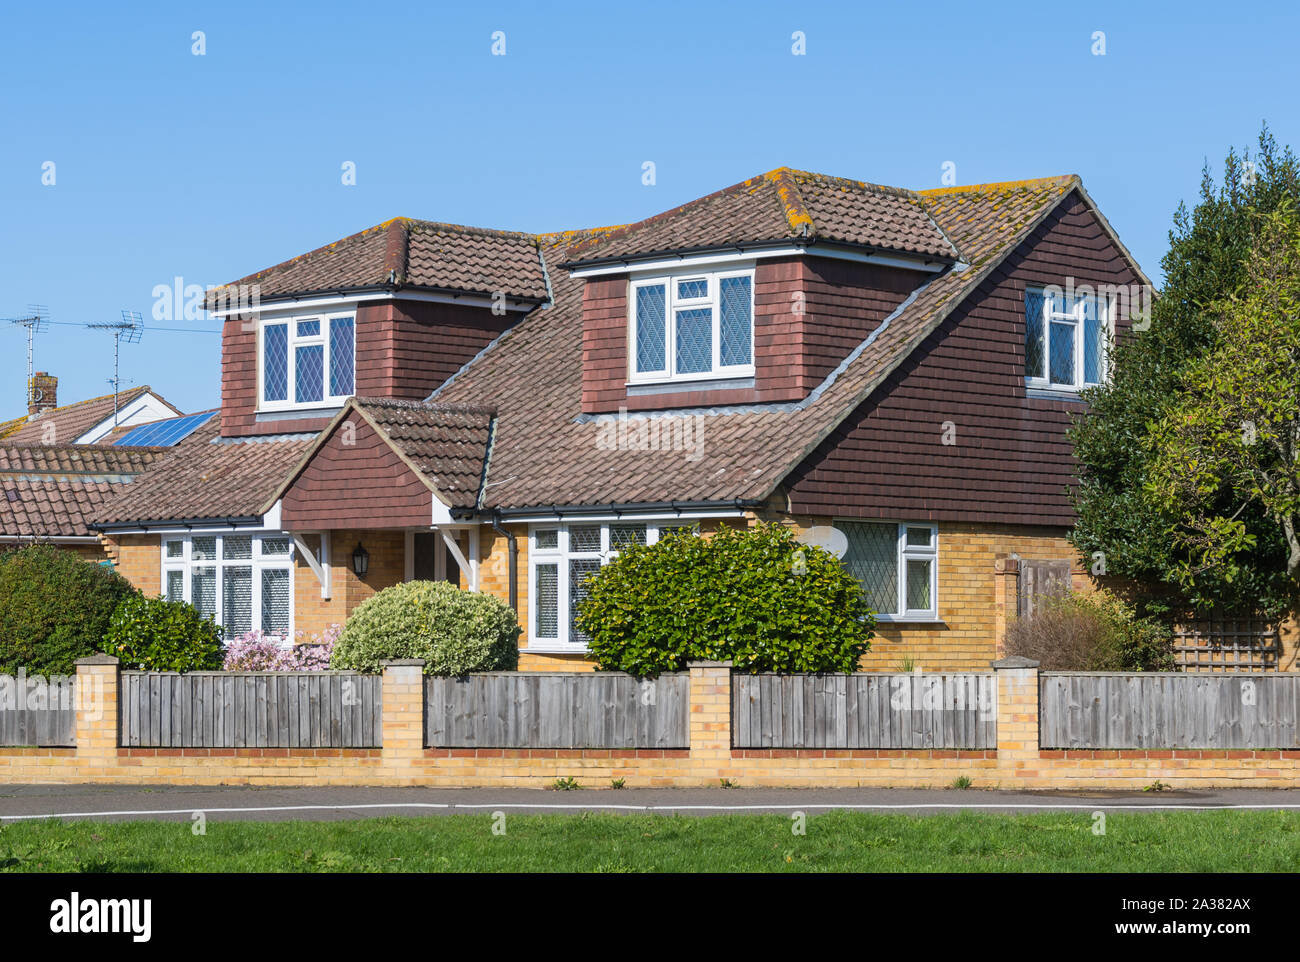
(179, 803)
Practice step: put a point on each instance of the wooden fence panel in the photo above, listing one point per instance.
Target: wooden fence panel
(948, 711)
(38, 712)
(310, 709)
(557, 710)
(1168, 710)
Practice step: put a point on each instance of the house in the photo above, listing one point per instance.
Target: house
(505, 410)
(57, 468)
(85, 422)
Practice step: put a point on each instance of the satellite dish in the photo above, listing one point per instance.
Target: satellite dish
(827, 538)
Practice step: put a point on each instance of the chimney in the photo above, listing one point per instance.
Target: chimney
(42, 393)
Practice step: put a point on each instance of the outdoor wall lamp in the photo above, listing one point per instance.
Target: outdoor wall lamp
(360, 560)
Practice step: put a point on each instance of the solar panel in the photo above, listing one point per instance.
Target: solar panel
(163, 434)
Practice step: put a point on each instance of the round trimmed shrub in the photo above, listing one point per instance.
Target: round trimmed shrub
(455, 632)
(154, 634)
(753, 596)
(54, 608)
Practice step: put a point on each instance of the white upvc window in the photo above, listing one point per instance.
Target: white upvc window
(691, 326)
(560, 558)
(244, 581)
(1067, 333)
(897, 564)
(306, 362)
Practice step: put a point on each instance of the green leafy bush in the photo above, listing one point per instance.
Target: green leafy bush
(455, 632)
(1091, 632)
(154, 634)
(54, 608)
(753, 596)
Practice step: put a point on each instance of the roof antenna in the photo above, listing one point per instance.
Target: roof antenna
(129, 329)
(36, 320)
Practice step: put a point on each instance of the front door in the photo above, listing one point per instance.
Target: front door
(429, 550)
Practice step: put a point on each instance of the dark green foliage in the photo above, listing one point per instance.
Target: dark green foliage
(1208, 249)
(154, 634)
(54, 608)
(754, 596)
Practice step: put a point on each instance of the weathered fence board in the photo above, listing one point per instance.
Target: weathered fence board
(311, 709)
(1168, 710)
(951, 711)
(38, 712)
(553, 710)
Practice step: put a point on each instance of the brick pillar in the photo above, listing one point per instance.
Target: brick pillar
(710, 718)
(1006, 597)
(403, 713)
(96, 706)
(1017, 681)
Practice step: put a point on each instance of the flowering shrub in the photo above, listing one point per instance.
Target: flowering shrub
(252, 652)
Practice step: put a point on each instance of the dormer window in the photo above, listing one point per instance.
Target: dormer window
(306, 362)
(1066, 333)
(688, 327)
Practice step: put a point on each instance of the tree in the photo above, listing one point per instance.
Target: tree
(1208, 249)
(1228, 448)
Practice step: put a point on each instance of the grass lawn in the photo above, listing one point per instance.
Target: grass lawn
(838, 841)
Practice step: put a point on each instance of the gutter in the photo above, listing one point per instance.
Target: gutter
(634, 507)
(245, 521)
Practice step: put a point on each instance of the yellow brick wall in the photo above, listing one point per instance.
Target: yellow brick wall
(974, 600)
(138, 558)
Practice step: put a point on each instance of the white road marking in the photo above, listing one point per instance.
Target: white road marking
(830, 806)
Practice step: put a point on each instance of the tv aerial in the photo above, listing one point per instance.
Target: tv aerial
(128, 330)
(35, 320)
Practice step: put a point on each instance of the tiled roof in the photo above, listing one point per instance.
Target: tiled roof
(72, 460)
(71, 420)
(544, 453)
(783, 204)
(50, 509)
(407, 253)
(539, 448)
(204, 477)
(448, 445)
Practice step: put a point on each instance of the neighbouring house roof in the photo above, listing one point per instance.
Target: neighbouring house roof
(206, 478)
(54, 491)
(782, 205)
(508, 432)
(403, 253)
(71, 421)
(41, 510)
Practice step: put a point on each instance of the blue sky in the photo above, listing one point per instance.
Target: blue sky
(211, 167)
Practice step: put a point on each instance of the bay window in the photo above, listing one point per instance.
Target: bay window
(897, 565)
(306, 361)
(691, 326)
(560, 558)
(1066, 334)
(244, 581)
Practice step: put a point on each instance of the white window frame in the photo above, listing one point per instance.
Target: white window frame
(904, 553)
(258, 562)
(672, 304)
(295, 341)
(1075, 317)
(560, 557)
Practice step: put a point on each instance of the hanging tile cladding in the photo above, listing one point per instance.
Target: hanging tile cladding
(1010, 461)
(405, 349)
(356, 481)
(809, 314)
